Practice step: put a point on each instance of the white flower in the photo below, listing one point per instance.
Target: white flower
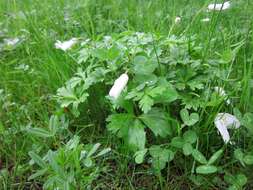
(66, 44)
(177, 19)
(222, 93)
(11, 41)
(225, 121)
(219, 6)
(205, 19)
(118, 86)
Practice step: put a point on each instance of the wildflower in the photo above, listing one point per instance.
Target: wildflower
(225, 121)
(118, 86)
(219, 6)
(177, 19)
(222, 93)
(66, 44)
(11, 41)
(205, 19)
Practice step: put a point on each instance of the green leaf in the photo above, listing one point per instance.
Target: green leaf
(54, 124)
(241, 179)
(198, 156)
(139, 156)
(103, 152)
(94, 149)
(53, 163)
(146, 103)
(248, 159)
(136, 135)
(187, 149)
(119, 123)
(167, 93)
(190, 136)
(40, 132)
(239, 155)
(160, 157)
(37, 174)
(87, 162)
(206, 169)
(247, 121)
(157, 121)
(37, 159)
(141, 65)
(189, 120)
(177, 142)
(215, 156)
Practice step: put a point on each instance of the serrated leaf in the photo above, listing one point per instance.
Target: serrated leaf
(190, 136)
(136, 135)
(141, 65)
(146, 103)
(157, 121)
(119, 123)
(206, 169)
(215, 156)
(198, 156)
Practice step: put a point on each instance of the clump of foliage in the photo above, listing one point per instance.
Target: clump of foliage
(165, 114)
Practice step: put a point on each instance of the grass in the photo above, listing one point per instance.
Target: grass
(28, 101)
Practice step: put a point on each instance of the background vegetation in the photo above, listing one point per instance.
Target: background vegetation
(41, 142)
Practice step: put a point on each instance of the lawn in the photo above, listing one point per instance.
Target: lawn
(126, 94)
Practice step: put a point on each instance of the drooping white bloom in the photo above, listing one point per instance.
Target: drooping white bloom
(177, 19)
(118, 86)
(66, 44)
(219, 6)
(222, 93)
(205, 19)
(11, 41)
(225, 121)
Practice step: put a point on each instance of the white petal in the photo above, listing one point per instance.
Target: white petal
(11, 41)
(118, 86)
(223, 131)
(66, 44)
(219, 6)
(223, 122)
(177, 19)
(222, 93)
(205, 20)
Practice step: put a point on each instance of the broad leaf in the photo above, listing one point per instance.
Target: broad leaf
(215, 156)
(142, 65)
(206, 169)
(157, 121)
(136, 135)
(189, 120)
(198, 156)
(139, 156)
(190, 136)
(160, 157)
(187, 149)
(37, 159)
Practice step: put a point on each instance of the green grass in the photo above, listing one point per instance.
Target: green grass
(227, 36)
